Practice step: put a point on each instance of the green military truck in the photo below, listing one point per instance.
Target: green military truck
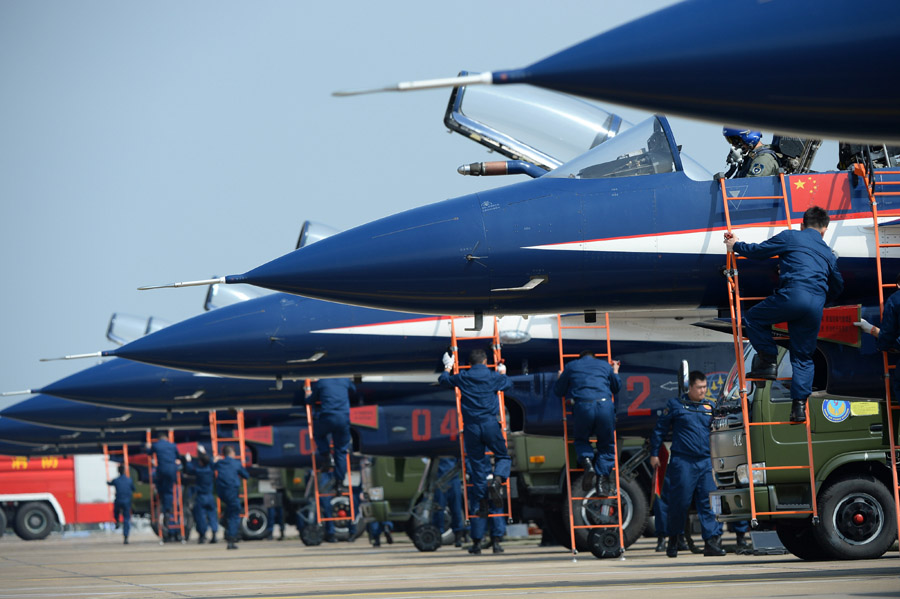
(851, 459)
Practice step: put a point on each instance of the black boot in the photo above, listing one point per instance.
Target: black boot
(672, 547)
(763, 367)
(798, 410)
(590, 476)
(496, 544)
(475, 549)
(712, 547)
(743, 545)
(661, 544)
(374, 540)
(232, 545)
(281, 537)
(683, 544)
(457, 539)
(213, 540)
(496, 491)
(388, 537)
(201, 539)
(125, 542)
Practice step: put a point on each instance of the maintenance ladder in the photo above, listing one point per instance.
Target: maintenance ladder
(497, 360)
(122, 452)
(156, 511)
(873, 189)
(315, 476)
(567, 411)
(238, 426)
(734, 305)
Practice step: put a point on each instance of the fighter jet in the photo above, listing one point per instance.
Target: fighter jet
(808, 67)
(627, 224)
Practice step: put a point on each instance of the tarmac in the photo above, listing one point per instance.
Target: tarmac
(99, 565)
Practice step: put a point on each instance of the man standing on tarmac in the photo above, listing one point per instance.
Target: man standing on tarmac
(229, 473)
(166, 454)
(122, 506)
(590, 384)
(689, 473)
(808, 278)
(481, 431)
(205, 510)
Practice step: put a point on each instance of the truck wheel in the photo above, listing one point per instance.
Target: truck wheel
(3, 521)
(634, 513)
(312, 535)
(857, 518)
(426, 537)
(604, 543)
(797, 537)
(253, 526)
(34, 520)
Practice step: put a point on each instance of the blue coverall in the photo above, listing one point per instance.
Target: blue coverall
(889, 337)
(122, 504)
(166, 468)
(591, 383)
(331, 416)
(450, 497)
(809, 276)
(689, 473)
(481, 431)
(229, 473)
(205, 511)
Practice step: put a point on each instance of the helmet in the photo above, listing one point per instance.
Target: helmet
(748, 137)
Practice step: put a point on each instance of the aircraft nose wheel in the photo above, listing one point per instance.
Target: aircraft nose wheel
(426, 537)
(605, 543)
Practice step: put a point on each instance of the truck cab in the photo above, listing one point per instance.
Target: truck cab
(852, 471)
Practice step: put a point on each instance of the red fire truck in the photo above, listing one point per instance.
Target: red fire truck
(40, 494)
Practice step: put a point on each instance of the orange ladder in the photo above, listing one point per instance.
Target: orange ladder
(238, 423)
(566, 412)
(871, 187)
(122, 452)
(177, 505)
(734, 305)
(497, 359)
(315, 475)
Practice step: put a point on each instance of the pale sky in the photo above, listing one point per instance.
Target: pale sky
(145, 143)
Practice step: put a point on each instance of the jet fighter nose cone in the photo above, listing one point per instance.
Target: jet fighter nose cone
(393, 262)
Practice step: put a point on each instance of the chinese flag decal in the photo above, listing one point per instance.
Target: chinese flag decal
(829, 191)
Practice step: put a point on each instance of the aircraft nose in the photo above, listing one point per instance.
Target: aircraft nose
(433, 253)
(241, 338)
(35, 409)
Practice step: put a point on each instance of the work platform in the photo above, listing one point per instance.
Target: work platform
(100, 566)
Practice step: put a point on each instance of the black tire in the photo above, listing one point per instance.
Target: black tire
(426, 537)
(3, 522)
(604, 543)
(857, 518)
(34, 521)
(558, 524)
(254, 524)
(635, 510)
(797, 537)
(312, 535)
(417, 519)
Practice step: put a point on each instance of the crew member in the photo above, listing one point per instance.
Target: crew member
(275, 500)
(481, 430)
(808, 278)
(229, 471)
(758, 160)
(888, 334)
(166, 471)
(689, 473)
(122, 505)
(330, 399)
(449, 496)
(376, 528)
(589, 384)
(206, 514)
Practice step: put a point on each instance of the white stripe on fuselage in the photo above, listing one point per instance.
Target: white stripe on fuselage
(850, 238)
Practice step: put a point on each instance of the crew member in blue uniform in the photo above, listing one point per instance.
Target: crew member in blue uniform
(166, 454)
(758, 160)
(481, 431)
(809, 277)
(206, 514)
(122, 504)
(330, 399)
(449, 496)
(689, 473)
(888, 334)
(589, 384)
(229, 473)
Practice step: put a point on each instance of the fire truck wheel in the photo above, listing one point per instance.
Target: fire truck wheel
(857, 518)
(34, 520)
(3, 521)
